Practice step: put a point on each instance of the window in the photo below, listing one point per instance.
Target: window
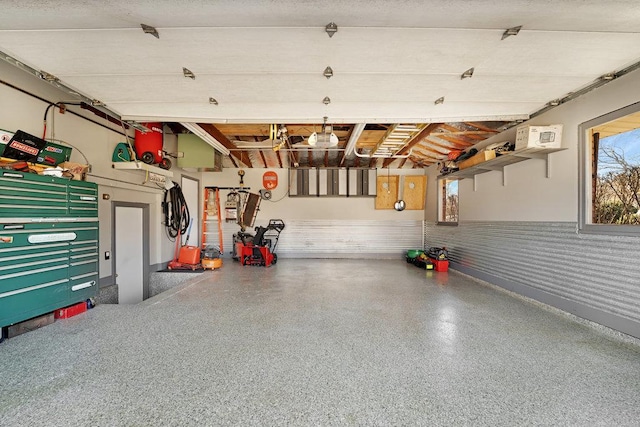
(610, 173)
(448, 201)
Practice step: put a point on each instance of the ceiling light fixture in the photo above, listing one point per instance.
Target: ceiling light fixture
(608, 76)
(553, 103)
(326, 101)
(439, 100)
(325, 139)
(188, 73)
(467, 74)
(206, 137)
(511, 32)
(353, 138)
(331, 29)
(328, 72)
(213, 101)
(148, 29)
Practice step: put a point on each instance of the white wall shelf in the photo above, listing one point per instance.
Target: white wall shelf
(499, 163)
(143, 167)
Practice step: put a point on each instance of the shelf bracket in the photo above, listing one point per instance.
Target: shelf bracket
(548, 160)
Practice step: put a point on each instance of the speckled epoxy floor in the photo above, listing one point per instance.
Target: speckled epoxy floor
(320, 342)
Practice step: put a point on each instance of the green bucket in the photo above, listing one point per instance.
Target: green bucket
(414, 253)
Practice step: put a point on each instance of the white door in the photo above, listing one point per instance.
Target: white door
(129, 254)
(191, 193)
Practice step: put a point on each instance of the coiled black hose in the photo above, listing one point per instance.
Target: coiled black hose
(176, 211)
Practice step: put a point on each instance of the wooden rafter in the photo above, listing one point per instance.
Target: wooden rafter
(432, 143)
(453, 140)
(279, 158)
(428, 154)
(264, 159)
(423, 161)
(222, 139)
(326, 158)
(482, 127)
(480, 136)
(310, 157)
(423, 134)
(419, 137)
(469, 133)
(402, 162)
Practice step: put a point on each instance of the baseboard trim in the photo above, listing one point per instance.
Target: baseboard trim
(106, 281)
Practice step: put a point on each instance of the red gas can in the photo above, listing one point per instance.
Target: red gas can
(149, 145)
(440, 265)
(189, 255)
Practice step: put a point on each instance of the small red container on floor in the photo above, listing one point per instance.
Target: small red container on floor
(440, 265)
(189, 255)
(72, 310)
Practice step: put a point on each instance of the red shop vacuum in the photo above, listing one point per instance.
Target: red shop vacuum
(261, 250)
(148, 146)
(185, 257)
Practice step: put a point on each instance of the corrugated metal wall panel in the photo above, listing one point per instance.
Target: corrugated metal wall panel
(596, 271)
(338, 239)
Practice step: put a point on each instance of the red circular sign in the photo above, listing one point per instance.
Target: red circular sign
(270, 180)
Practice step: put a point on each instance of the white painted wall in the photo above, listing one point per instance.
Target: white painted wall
(528, 195)
(21, 111)
(309, 208)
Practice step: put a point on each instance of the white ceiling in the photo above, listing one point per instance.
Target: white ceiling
(263, 60)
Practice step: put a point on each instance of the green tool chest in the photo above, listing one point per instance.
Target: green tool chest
(48, 244)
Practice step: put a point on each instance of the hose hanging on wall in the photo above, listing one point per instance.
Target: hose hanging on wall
(176, 211)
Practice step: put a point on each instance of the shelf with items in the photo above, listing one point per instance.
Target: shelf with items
(499, 163)
(143, 167)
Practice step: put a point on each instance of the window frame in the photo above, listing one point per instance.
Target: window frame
(442, 191)
(585, 202)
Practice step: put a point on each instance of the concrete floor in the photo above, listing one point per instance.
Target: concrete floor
(321, 342)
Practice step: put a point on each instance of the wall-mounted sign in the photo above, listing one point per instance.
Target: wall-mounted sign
(270, 180)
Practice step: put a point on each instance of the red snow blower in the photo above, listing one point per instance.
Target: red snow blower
(261, 250)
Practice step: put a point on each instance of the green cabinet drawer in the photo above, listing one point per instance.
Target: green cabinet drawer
(30, 272)
(25, 197)
(83, 199)
(82, 287)
(83, 258)
(33, 300)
